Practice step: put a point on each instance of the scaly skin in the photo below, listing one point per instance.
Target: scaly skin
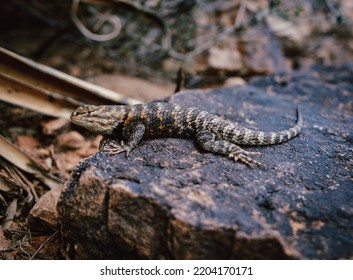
(159, 119)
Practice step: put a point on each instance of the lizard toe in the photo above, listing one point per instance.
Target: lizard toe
(244, 158)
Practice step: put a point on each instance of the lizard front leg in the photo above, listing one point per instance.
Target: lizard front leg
(133, 135)
(207, 141)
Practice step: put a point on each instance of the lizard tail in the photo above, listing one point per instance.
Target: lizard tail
(251, 137)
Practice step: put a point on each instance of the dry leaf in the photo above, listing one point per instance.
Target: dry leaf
(27, 142)
(18, 158)
(32, 85)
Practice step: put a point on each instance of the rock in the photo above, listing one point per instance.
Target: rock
(43, 216)
(225, 58)
(262, 52)
(170, 200)
(234, 81)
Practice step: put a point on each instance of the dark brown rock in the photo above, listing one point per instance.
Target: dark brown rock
(169, 200)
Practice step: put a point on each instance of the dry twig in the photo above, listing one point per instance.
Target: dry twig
(43, 244)
(113, 20)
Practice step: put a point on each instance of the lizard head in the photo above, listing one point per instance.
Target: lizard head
(99, 119)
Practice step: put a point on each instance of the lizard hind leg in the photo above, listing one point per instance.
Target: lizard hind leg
(207, 140)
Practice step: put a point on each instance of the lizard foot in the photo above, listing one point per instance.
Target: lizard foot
(244, 157)
(113, 147)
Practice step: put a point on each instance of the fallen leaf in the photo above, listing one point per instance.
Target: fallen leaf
(23, 161)
(27, 142)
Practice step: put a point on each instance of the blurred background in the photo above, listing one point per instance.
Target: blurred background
(134, 46)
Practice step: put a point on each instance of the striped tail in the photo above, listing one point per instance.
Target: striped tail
(251, 137)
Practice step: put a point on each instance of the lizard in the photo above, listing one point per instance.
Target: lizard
(132, 123)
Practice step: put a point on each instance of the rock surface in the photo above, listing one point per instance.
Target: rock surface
(170, 200)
